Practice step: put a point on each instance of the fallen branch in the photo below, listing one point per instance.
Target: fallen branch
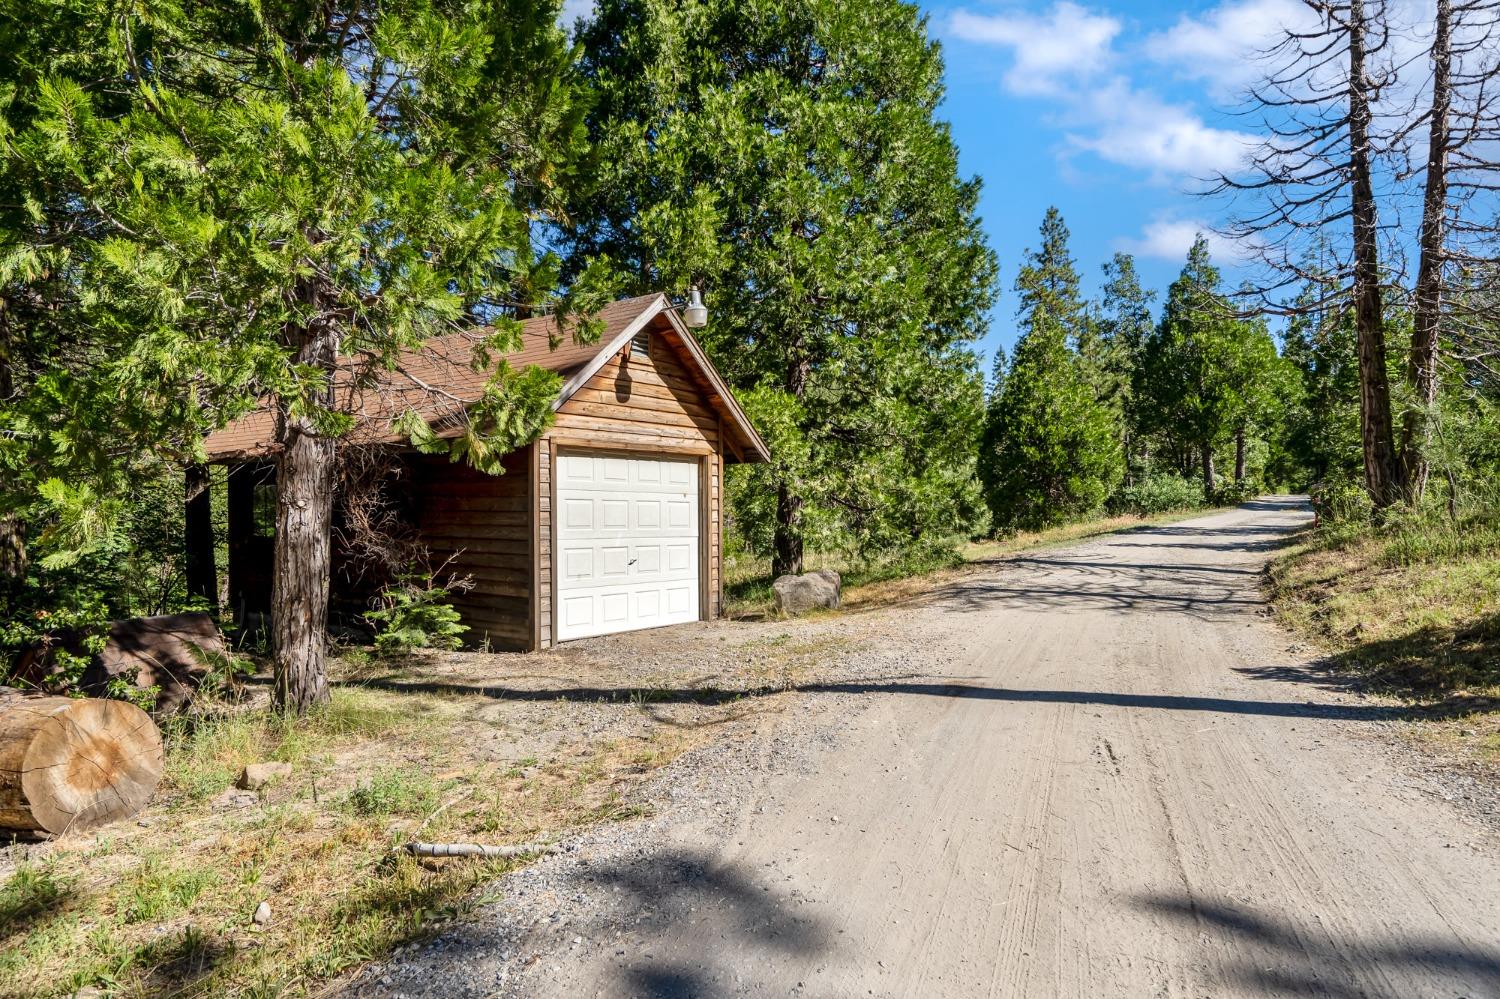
(475, 849)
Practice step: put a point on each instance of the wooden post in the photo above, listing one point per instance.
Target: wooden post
(198, 537)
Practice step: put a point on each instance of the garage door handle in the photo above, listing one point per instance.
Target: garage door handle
(631, 562)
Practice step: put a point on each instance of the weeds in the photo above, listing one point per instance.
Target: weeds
(1411, 608)
(166, 909)
(403, 792)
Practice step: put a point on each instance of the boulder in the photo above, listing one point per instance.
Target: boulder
(172, 651)
(810, 591)
(258, 775)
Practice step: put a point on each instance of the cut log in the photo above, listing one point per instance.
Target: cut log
(68, 764)
(172, 652)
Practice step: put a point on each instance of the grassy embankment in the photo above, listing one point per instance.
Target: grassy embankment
(1410, 611)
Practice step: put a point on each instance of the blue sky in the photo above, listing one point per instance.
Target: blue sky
(1114, 113)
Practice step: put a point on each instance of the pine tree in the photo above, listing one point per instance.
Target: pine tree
(787, 158)
(260, 196)
(1050, 447)
(1124, 323)
(1051, 451)
(1205, 374)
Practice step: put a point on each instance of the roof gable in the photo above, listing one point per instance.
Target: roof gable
(439, 381)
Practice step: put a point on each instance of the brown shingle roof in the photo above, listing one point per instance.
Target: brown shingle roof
(438, 381)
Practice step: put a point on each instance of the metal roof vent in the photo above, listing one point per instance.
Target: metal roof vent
(640, 344)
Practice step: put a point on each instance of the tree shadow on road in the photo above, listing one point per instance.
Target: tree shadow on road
(1267, 955)
(927, 687)
(670, 925)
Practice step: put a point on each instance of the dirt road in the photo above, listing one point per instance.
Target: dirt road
(1121, 784)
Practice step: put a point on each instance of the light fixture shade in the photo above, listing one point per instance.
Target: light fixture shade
(695, 313)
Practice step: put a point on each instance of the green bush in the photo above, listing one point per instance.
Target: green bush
(1158, 492)
(1231, 493)
(1340, 498)
(416, 614)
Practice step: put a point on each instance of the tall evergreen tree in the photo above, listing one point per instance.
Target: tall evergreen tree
(1124, 323)
(1205, 374)
(268, 193)
(1050, 448)
(787, 158)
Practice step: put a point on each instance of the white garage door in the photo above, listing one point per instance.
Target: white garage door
(626, 550)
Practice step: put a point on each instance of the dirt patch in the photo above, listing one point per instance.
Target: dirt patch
(449, 747)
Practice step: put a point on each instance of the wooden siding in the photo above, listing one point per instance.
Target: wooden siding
(484, 523)
(648, 405)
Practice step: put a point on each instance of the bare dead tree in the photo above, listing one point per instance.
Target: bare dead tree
(1316, 171)
(1461, 129)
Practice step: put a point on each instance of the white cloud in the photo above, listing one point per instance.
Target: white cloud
(1171, 238)
(1068, 54)
(1136, 128)
(1223, 44)
(1050, 51)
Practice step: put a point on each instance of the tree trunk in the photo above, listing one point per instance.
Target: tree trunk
(69, 764)
(1416, 425)
(1206, 454)
(1382, 472)
(787, 544)
(198, 537)
(13, 562)
(787, 557)
(304, 517)
(1239, 456)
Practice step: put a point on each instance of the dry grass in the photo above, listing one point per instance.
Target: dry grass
(164, 907)
(1412, 612)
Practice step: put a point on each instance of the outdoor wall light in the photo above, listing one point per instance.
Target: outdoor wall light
(695, 313)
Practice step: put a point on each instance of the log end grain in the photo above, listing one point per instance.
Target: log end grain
(69, 764)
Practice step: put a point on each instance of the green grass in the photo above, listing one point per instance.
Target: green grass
(405, 791)
(159, 890)
(207, 755)
(1411, 608)
(31, 893)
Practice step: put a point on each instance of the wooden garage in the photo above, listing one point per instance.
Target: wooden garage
(610, 521)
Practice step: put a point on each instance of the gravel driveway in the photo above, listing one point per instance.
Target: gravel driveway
(1093, 772)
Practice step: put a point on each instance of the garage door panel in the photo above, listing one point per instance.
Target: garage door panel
(578, 514)
(648, 559)
(578, 563)
(628, 543)
(614, 515)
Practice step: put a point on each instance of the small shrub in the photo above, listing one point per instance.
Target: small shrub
(918, 560)
(1231, 493)
(1159, 492)
(1340, 499)
(394, 792)
(416, 615)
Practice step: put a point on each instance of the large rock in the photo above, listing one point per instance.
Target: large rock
(818, 590)
(258, 775)
(172, 651)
